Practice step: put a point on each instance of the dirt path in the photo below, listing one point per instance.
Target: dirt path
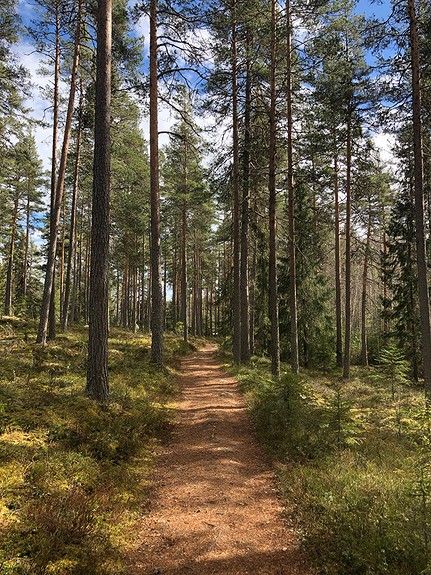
(214, 505)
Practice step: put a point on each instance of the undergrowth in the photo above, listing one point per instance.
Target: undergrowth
(73, 475)
(354, 465)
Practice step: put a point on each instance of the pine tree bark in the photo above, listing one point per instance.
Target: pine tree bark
(125, 298)
(157, 343)
(291, 199)
(273, 287)
(236, 303)
(175, 278)
(56, 206)
(253, 295)
(97, 372)
(9, 274)
(184, 286)
(419, 202)
(348, 311)
(143, 308)
(52, 310)
(149, 296)
(245, 214)
(385, 285)
(135, 289)
(339, 327)
(364, 350)
(86, 291)
(72, 230)
(62, 259)
(27, 244)
(165, 280)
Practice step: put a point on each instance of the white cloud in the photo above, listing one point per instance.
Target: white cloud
(166, 120)
(385, 144)
(31, 60)
(142, 29)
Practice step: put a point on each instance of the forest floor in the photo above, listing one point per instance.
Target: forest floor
(214, 504)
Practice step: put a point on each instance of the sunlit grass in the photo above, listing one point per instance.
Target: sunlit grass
(74, 475)
(353, 462)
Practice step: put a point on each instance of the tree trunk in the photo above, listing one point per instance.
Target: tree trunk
(27, 244)
(52, 312)
(184, 287)
(157, 344)
(236, 303)
(348, 314)
(62, 259)
(273, 288)
(245, 209)
(193, 303)
(97, 371)
(165, 275)
(125, 298)
(143, 309)
(339, 327)
(253, 295)
(385, 285)
(72, 232)
(292, 249)
(75, 308)
(8, 295)
(199, 299)
(211, 307)
(135, 290)
(56, 207)
(364, 351)
(86, 292)
(175, 279)
(149, 297)
(419, 203)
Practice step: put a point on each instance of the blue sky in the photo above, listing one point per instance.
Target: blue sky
(31, 60)
(379, 9)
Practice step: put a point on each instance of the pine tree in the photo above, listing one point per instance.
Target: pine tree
(157, 343)
(97, 371)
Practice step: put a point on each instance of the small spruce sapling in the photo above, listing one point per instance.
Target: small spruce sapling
(340, 420)
(393, 368)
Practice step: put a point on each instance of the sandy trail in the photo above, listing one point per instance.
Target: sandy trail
(214, 505)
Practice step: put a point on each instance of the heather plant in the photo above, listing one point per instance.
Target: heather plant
(73, 474)
(356, 490)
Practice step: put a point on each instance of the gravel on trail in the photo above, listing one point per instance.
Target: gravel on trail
(214, 504)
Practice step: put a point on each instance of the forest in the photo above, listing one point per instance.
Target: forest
(253, 173)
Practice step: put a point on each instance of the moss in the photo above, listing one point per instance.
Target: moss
(353, 464)
(74, 475)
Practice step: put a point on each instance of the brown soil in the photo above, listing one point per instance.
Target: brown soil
(215, 508)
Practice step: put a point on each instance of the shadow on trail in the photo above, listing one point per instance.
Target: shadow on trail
(214, 507)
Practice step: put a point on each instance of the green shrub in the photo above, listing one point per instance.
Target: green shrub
(73, 474)
(353, 463)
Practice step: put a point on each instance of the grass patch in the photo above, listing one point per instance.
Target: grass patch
(73, 475)
(354, 466)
